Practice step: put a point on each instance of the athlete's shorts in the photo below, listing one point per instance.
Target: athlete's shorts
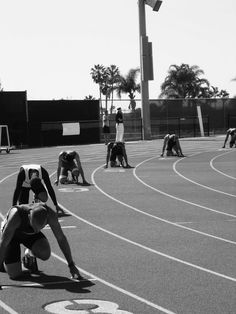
(169, 153)
(13, 253)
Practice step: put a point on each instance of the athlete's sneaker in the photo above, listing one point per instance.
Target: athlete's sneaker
(30, 262)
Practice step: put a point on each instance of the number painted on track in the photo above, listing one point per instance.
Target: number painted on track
(84, 307)
(71, 189)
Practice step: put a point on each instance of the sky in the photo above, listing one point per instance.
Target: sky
(48, 47)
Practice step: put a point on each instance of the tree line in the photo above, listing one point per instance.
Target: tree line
(182, 81)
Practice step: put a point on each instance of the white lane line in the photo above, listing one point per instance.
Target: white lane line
(224, 174)
(199, 184)
(159, 218)
(7, 308)
(10, 175)
(174, 197)
(125, 292)
(151, 250)
(63, 227)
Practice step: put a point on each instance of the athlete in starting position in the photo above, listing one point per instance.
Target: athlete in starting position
(23, 225)
(171, 142)
(31, 177)
(230, 132)
(69, 162)
(116, 150)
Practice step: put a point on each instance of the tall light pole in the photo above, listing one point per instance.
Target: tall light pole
(146, 65)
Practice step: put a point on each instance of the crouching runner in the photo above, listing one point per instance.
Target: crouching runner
(23, 225)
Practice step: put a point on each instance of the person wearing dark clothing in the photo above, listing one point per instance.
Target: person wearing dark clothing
(232, 133)
(117, 151)
(171, 142)
(69, 162)
(23, 225)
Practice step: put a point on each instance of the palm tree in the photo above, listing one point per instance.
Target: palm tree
(99, 76)
(106, 77)
(89, 97)
(113, 79)
(128, 85)
(183, 82)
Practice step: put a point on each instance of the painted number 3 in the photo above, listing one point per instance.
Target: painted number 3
(84, 307)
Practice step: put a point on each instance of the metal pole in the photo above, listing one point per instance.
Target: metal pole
(146, 129)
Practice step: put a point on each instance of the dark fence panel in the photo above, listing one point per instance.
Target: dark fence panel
(13, 113)
(47, 117)
(217, 110)
(51, 133)
(39, 123)
(183, 127)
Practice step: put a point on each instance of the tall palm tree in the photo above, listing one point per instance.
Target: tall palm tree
(113, 78)
(127, 85)
(183, 82)
(106, 77)
(89, 97)
(99, 76)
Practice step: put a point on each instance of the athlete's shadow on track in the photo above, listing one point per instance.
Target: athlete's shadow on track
(44, 281)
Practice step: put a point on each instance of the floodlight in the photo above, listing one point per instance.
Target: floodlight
(155, 4)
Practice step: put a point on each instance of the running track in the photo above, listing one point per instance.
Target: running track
(158, 238)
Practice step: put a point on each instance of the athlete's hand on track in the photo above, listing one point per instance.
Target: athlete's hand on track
(85, 183)
(75, 274)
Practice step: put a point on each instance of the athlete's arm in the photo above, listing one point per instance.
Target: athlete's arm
(124, 154)
(164, 145)
(62, 242)
(48, 184)
(226, 138)
(12, 223)
(179, 150)
(80, 168)
(59, 168)
(19, 182)
(109, 148)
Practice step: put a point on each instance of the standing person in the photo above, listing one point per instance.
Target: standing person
(30, 177)
(171, 142)
(23, 225)
(106, 127)
(119, 126)
(69, 161)
(230, 132)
